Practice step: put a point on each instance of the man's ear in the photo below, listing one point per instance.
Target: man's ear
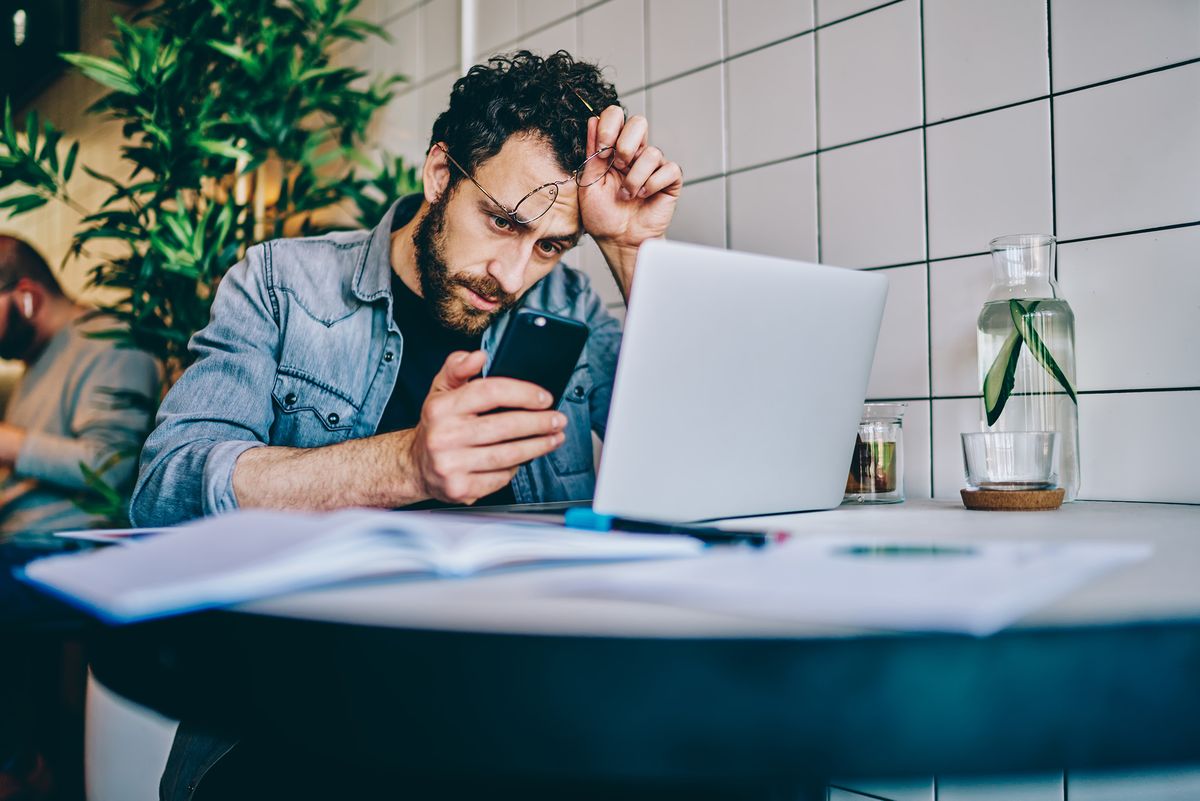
(435, 176)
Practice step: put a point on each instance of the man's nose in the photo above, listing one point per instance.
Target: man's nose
(509, 268)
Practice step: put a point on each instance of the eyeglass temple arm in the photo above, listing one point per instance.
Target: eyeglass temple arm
(509, 212)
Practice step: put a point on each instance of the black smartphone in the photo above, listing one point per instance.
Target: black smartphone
(541, 348)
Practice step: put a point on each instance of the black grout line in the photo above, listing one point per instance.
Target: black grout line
(1131, 75)
(887, 266)
(1053, 163)
(816, 64)
(976, 396)
(925, 226)
(1134, 232)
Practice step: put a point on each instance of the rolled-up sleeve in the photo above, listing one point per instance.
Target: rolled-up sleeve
(219, 407)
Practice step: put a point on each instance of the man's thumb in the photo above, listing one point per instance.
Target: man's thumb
(460, 367)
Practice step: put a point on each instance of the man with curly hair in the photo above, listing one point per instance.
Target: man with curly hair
(337, 370)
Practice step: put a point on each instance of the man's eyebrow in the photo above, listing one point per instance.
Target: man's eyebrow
(572, 237)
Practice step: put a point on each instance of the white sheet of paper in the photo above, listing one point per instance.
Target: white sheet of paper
(978, 591)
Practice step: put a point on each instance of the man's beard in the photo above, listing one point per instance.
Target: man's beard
(18, 334)
(438, 283)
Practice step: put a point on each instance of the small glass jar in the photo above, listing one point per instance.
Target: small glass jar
(877, 465)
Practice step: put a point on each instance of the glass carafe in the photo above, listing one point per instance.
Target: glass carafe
(1026, 338)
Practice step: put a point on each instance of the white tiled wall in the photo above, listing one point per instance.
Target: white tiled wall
(901, 136)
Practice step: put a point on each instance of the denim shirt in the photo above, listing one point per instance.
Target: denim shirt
(301, 350)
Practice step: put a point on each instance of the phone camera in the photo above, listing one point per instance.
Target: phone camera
(540, 322)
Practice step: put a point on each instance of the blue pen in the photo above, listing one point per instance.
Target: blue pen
(588, 520)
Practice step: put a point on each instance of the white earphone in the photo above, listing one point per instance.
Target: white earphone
(27, 306)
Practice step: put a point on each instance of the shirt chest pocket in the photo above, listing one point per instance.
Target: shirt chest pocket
(309, 414)
(574, 456)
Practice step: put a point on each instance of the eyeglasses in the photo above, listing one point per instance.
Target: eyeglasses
(534, 205)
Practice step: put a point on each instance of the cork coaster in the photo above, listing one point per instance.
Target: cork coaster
(1013, 500)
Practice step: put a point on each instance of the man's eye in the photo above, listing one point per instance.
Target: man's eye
(549, 248)
(503, 223)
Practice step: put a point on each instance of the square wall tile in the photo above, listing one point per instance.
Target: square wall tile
(1095, 40)
(700, 214)
(951, 418)
(989, 175)
(439, 32)
(772, 105)
(403, 54)
(830, 10)
(399, 130)
(915, 428)
(773, 210)
(683, 35)
(869, 74)
(901, 366)
(432, 99)
(750, 23)
(1001, 788)
(873, 202)
(957, 290)
(690, 132)
(1164, 784)
(613, 35)
(495, 27)
(1137, 309)
(1139, 446)
(1127, 154)
(586, 257)
(561, 36)
(980, 54)
(533, 14)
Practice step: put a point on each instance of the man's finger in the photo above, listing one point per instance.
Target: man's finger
(483, 484)
(630, 141)
(511, 454)
(593, 124)
(508, 426)
(668, 177)
(649, 161)
(460, 367)
(612, 119)
(487, 394)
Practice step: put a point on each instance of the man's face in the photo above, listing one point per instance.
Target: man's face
(474, 262)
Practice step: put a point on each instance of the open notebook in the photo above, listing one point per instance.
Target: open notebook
(248, 555)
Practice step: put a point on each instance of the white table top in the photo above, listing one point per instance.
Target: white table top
(1165, 587)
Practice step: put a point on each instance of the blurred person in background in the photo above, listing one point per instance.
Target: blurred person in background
(61, 414)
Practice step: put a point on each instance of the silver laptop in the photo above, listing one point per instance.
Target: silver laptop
(739, 385)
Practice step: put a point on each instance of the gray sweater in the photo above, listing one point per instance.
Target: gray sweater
(64, 404)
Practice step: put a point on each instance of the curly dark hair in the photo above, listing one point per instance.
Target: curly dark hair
(522, 93)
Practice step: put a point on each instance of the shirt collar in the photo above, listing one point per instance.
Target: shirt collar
(373, 278)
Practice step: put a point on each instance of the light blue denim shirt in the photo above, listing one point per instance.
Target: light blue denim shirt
(301, 350)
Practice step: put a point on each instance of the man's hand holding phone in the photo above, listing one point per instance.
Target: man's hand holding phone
(460, 452)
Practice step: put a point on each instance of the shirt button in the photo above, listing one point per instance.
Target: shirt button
(579, 393)
(387, 357)
(289, 399)
(333, 418)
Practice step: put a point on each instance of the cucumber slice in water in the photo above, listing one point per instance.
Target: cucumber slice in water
(1023, 324)
(998, 382)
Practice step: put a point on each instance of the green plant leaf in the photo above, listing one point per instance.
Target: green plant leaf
(1022, 318)
(998, 383)
(103, 71)
(69, 164)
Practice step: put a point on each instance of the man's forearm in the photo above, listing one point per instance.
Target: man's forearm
(374, 471)
(621, 261)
